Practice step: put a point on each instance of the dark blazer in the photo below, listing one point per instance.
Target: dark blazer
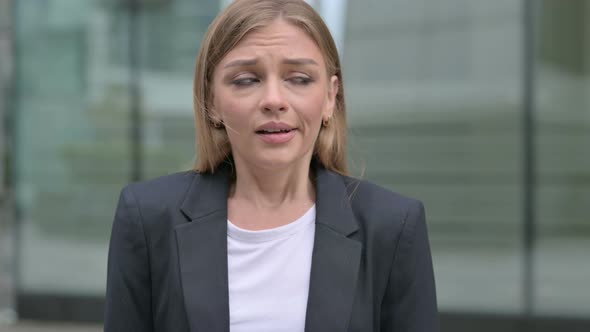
(167, 267)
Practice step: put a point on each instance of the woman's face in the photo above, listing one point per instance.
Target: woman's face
(272, 91)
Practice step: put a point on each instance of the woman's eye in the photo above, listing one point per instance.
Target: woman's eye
(300, 80)
(245, 81)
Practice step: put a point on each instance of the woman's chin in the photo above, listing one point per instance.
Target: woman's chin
(275, 163)
(279, 162)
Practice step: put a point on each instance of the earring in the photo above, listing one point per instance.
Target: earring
(326, 122)
(218, 125)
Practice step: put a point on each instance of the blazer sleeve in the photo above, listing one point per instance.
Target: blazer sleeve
(409, 303)
(128, 294)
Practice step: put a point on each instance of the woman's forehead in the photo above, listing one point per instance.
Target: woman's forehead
(279, 38)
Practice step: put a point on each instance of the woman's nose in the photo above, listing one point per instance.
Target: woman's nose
(273, 98)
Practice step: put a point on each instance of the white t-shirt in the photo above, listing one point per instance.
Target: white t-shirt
(269, 276)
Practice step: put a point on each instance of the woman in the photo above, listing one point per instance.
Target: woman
(268, 233)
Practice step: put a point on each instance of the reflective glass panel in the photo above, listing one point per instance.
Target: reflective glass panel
(434, 102)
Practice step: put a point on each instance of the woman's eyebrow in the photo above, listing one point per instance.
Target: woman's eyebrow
(300, 61)
(252, 62)
(241, 62)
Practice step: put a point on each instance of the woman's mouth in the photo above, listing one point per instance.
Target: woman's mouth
(273, 131)
(276, 136)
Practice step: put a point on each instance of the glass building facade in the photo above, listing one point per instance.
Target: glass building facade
(479, 108)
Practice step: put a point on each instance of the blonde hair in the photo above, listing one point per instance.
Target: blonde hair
(224, 33)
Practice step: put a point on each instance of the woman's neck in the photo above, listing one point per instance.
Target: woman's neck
(268, 198)
(272, 189)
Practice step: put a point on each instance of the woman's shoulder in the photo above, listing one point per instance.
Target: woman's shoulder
(374, 202)
(365, 191)
(162, 189)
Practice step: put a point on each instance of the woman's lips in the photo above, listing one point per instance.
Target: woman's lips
(277, 137)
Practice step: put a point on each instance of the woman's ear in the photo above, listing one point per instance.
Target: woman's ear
(333, 87)
(214, 117)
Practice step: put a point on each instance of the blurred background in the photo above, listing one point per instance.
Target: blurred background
(479, 108)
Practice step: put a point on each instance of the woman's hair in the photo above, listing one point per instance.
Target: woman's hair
(224, 33)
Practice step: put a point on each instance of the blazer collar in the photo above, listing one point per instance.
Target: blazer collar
(202, 247)
(208, 193)
(333, 203)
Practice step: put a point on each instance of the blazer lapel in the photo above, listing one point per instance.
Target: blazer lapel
(202, 251)
(335, 258)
